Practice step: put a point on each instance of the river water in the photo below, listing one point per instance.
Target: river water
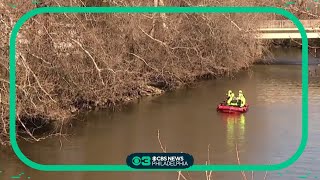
(270, 132)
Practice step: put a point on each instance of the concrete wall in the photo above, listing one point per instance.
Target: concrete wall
(288, 24)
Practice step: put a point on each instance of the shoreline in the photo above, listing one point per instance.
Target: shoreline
(52, 126)
(79, 108)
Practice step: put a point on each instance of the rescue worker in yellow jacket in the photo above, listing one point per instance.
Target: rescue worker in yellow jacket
(228, 97)
(232, 101)
(231, 97)
(241, 99)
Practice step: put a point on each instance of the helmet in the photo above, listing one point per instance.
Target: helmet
(229, 92)
(240, 92)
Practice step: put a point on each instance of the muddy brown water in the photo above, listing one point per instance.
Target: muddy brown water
(270, 132)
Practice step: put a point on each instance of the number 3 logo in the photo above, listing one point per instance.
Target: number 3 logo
(146, 160)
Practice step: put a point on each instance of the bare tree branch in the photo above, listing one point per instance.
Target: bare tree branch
(94, 62)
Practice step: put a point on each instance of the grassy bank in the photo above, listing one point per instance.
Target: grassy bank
(70, 63)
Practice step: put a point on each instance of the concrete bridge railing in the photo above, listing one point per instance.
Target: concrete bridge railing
(285, 29)
(288, 24)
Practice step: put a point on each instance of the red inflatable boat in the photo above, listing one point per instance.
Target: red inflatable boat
(232, 109)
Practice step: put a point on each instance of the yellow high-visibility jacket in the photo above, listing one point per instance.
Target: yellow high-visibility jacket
(230, 99)
(242, 99)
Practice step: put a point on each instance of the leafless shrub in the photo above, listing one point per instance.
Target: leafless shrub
(69, 62)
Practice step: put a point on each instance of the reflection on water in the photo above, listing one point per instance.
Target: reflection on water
(293, 56)
(314, 71)
(235, 128)
(279, 84)
(286, 93)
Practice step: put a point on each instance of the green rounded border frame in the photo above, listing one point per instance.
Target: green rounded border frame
(164, 9)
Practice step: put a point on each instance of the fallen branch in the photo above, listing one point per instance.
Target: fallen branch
(265, 175)
(157, 40)
(164, 149)
(159, 140)
(252, 175)
(27, 130)
(46, 62)
(144, 61)
(243, 174)
(93, 60)
(208, 175)
(232, 22)
(31, 134)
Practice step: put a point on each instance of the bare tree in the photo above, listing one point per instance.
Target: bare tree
(67, 63)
